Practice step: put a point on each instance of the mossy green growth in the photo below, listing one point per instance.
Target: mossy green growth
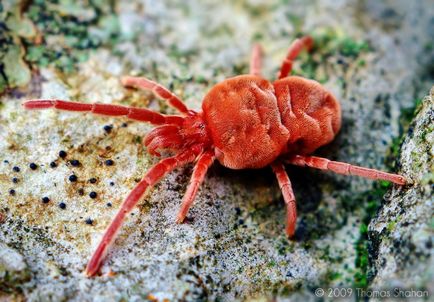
(328, 43)
(372, 199)
(407, 115)
(362, 258)
(391, 225)
(332, 275)
(71, 31)
(334, 41)
(351, 48)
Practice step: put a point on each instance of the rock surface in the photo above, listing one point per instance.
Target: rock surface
(401, 235)
(373, 56)
(13, 268)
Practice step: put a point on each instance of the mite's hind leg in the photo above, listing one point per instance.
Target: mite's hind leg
(294, 50)
(158, 89)
(288, 197)
(200, 169)
(344, 168)
(256, 60)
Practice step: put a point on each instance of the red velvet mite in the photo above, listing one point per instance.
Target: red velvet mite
(246, 122)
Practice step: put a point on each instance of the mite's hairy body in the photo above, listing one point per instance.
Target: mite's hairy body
(252, 122)
(310, 113)
(245, 122)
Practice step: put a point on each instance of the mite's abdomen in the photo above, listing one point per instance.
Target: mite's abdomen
(310, 113)
(244, 122)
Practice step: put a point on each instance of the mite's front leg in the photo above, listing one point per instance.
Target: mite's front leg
(158, 89)
(202, 165)
(151, 177)
(288, 197)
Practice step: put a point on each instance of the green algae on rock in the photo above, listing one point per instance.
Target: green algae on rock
(332, 49)
(14, 72)
(70, 31)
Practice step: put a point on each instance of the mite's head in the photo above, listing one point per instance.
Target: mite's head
(194, 130)
(191, 132)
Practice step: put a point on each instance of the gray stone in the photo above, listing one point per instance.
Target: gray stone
(13, 268)
(402, 233)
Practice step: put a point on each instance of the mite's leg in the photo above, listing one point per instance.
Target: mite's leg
(344, 168)
(296, 47)
(199, 173)
(158, 89)
(152, 176)
(139, 114)
(288, 197)
(256, 60)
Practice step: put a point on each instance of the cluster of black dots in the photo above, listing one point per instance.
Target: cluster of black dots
(71, 178)
(15, 179)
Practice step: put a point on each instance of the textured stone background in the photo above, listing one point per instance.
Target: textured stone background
(376, 57)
